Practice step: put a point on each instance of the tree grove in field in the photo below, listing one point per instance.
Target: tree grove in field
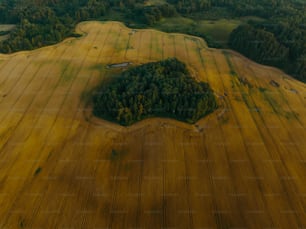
(163, 88)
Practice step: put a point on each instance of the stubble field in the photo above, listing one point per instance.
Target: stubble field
(243, 166)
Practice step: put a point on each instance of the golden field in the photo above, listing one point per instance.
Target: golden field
(243, 166)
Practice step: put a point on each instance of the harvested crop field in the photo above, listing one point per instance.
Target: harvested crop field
(243, 166)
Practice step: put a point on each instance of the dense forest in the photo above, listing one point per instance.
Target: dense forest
(278, 39)
(163, 88)
(281, 44)
(41, 23)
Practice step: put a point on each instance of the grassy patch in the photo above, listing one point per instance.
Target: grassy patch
(5, 30)
(230, 64)
(98, 67)
(158, 48)
(155, 2)
(291, 115)
(116, 15)
(68, 72)
(237, 80)
(7, 27)
(277, 108)
(218, 30)
(175, 24)
(215, 32)
(273, 103)
(262, 89)
(247, 101)
(251, 18)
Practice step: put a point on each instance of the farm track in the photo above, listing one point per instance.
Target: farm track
(242, 166)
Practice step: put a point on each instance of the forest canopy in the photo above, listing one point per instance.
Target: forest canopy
(164, 89)
(272, 32)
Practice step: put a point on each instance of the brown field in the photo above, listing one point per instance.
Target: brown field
(244, 166)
